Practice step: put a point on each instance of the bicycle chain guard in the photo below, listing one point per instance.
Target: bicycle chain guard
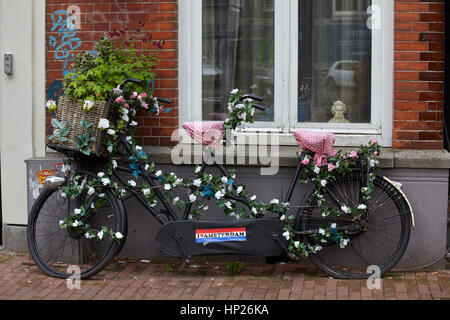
(256, 237)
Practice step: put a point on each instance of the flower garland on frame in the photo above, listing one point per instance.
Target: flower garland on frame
(206, 187)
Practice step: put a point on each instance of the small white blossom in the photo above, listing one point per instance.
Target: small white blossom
(100, 235)
(197, 182)
(111, 132)
(158, 173)
(220, 194)
(106, 181)
(316, 170)
(283, 217)
(129, 140)
(192, 198)
(175, 200)
(167, 187)
(198, 169)
(228, 205)
(345, 209)
(287, 235)
(91, 191)
(114, 163)
(88, 105)
(254, 210)
(275, 201)
(100, 174)
(63, 194)
(239, 189)
(103, 124)
(146, 192)
(75, 223)
(77, 212)
(321, 231)
(110, 149)
(133, 123)
(224, 180)
(323, 183)
(253, 198)
(138, 148)
(118, 235)
(132, 183)
(234, 91)
(297, 244)
(362, 207)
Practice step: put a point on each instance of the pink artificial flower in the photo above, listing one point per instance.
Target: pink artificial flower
(121, 100)
(126, 106)
(353, 154)
(331, 167)
(145, 106)
(376, 154)
(373, 141)
(305, 161)
(134, 95)
(144, 95)
(139, 98)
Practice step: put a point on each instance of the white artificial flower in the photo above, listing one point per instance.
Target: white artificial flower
(158, 173)
(167, 187)
(125, 117)
(91, 191)
(117, 90)
(220, 194)
(253, 198)
(333, 226)
(316, 170)
(287, 235)
(197, 182)
(100, 174)
(138, 148)
(111, 132)
(228, 205)
(77, 212)
(61, 223)
(132, 183)
(75, 223)
(101, 195)
(297, 244)
(205, 208)
(88, 105)
(283, 217)
(192, 198)
(275, 201)
(175, 200)
(110, 149)
(64, 195)
(106, 181)
(118, 235)
(153, 204)
(100, 235)
(224, 180)
(321, 231)
(323, 183)
(88, 235)
(254, 210)
(147, 166)
(51, 105)
(129, 140)
(345, 209)
(133, 123)
(362, 207)
(146, 192)
(114, 163)
(103, 124)
(178, 182)
(234, 91)
(198, 169)
(239, 189)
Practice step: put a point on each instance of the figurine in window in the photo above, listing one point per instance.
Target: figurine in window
(339, 110)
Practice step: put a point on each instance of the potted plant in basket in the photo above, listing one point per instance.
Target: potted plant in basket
(94, 82)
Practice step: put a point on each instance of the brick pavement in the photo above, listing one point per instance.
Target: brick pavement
(135, 280)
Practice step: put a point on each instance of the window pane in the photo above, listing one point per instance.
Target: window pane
(238, 52)
(334, 62)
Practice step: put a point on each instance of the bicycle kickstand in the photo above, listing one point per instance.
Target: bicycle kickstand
(187, 257)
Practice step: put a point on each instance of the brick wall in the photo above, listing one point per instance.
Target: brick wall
(419, 62)
(419, 74)
(97, 19)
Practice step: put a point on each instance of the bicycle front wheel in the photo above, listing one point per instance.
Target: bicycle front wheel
(59, 252)
(376, 242)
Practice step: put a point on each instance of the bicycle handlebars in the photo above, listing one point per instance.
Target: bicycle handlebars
(254, 97)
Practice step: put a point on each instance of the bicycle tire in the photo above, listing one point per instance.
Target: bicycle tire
(80, 246)
(331, 260)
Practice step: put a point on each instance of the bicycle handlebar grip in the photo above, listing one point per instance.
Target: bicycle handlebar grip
(163, 100)
(257, 106)
(252, 96)
(137, 81)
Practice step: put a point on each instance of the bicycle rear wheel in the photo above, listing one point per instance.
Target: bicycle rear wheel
(55, 249)
(379, 240)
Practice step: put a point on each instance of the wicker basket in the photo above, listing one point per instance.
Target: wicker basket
(72, 111)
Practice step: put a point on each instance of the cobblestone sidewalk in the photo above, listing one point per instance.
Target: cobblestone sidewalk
(136, 280)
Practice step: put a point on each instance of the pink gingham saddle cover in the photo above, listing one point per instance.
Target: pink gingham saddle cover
(321, 143)
(207, 133)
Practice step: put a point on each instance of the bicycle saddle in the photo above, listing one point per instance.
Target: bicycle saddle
(207, 133)
(321, 143)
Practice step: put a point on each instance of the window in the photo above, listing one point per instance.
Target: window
(307, 58)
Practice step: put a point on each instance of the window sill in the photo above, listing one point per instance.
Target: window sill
(389, 159)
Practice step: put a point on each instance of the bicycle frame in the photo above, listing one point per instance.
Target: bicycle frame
(169, 210)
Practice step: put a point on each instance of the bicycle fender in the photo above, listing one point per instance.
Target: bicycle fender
(398, 186)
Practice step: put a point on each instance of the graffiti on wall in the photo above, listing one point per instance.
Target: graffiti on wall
(65, 23)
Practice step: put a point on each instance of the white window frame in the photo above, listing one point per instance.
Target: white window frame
(286, 76)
